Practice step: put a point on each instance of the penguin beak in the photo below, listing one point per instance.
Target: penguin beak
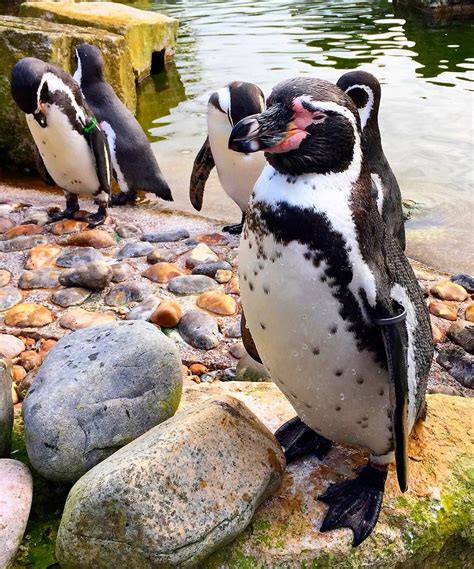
(265, 131)
(40, 118)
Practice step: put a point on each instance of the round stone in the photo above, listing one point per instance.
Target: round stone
(162, 272)
(22, 243)
(19, 230)
(190, 284)
(121, 272)
(42, 256)
(79, 256)
(145, 309)
(70, 296)
(5, 277)
(223, 276)
(29, 360)
(66, 226)
(10, 346)
(199, 330)
(9, 296)
(133, 250)
(447, 290)
(210, 269)
(446, 311)
(159, 254)
(168, 314)
(464, 280)
(94, 276)
(126, 292)
(217, 302)
(212, 239)
(93, 238)
(28, 315)
(79, 318)
(165, 236)
(200, 254)
(39, 278)
(469, 313)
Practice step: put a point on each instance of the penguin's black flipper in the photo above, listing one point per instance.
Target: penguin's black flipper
(299, 440)
(356, 503)
(100, 149)
(203, 165)
(41, 168)
(393, 330)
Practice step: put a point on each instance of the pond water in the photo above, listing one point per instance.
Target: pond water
(427, 73)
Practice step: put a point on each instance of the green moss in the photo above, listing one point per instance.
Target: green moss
(171, 403)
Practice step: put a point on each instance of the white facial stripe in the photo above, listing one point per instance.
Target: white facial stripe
(111, 139)
(364, 112)
(56, 84)
(224, 99)
(378, 184)
(78, 74)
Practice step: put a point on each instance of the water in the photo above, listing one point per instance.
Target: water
(427, 76)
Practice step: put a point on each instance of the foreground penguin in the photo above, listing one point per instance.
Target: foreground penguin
(134, 164)
(73, 151)
(237, 173)
(364, 89)
(331, 301)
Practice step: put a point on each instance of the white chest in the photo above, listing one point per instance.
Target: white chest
(65, 153)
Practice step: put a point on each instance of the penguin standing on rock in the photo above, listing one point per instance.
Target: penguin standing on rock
(73, 151)
(134, 164)
(237, 173)
(364, 89)
(331, 301)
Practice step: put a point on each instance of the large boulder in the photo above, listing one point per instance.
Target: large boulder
(429, 526)
(174, 495)
(98, 389)
(55, 43)
(6, 409)
(150, 36)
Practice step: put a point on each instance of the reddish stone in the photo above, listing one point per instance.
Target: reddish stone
(469, 313)
(168, 314)
(92, 238)
(30, 360)
(217, 302)
(233, 286)
(27, 315)
(66, 226)
(163, 272)
(198, 369)
(42, 256)
(446, 311)
(79, 318)
(21, 230)
(447, 290)
(212, 239)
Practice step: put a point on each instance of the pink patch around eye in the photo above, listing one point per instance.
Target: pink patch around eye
(290, 142)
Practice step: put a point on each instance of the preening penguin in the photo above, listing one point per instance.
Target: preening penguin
(237, 173)
(71, 145)
(134, 164)
(364, 89)
(331, 301)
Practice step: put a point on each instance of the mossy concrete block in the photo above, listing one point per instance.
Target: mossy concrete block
(55, 43)
(429, 526)
(170, 498)
(146, 32)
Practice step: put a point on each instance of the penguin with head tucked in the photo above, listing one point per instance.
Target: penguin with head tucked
(72, 149)
(364, 89)
(330, 299)
(237, 172)
(134, 164)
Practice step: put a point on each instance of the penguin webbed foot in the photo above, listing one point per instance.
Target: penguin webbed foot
(98, 218)
(72, 205)
(299, 440)
(356, 503)
(233, 229)
(124, 198)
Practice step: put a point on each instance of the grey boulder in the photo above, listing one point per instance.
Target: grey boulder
(175, 495)
(98, 389)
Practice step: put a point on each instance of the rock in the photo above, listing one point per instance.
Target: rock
(223, 276)
(39, 278)
(464, 280)
(232, 329)
(237, 350)
(15, 396)
(158, 255)
(79, 318)
(198, 369)
(165, 236)
(233, 286)
(121, 272)
(9, 296)
(97, 390)
(250, 370)
(145, 32)
(145, 309)
(190, 284)
(126, 292)
(200, 254)
(217, 302)
(66, 226)
(447, 290)
(458, 363)
(6, 416)
(469, 312)
(229, 374)
(5, 277)
(166, 483)
(162, 272)
(462, 333)
(132, 250)
(42, 256)
(79, 256)
(212, 239)
(127, 230)
(210, 269)
(36, 216)
(16, 492)
(446, 311)
(22, 243)
(46, 347)
(96, 238)
(52, 42)
(18, 374)
(70, 296)
(167, 314)
(19, 230)
(199, 330)
(27, 382)
(10, 346)
(28, 315)
(5, 224)
(444, 390)
(30, 360)
(439, 335)
(94, 276)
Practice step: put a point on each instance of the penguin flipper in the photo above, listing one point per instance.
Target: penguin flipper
(203, 165)
(393, 330)
(42, 170)
(100, 149)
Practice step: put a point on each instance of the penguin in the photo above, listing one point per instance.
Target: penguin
(237, 173)
(134, 164)
(72, 150)
(364, 89)
(331, 302)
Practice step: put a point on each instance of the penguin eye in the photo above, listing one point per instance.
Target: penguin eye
(319, 116)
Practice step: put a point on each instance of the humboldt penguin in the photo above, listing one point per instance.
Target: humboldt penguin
(134, 164)
(364, 89)
(237, 173)
(330, 299)
(72, 149)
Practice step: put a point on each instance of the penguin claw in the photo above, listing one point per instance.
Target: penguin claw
(233, 229)
(356, 503)
(95, 219)
(299, 440)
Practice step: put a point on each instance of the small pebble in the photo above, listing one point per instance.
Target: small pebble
(145, 309)
(42, 256)
(92, 238)
(237, 350)
(127, 230)
(79, 256)
(198, 369)
(95, 276)
(167, 314)
(190, 284)
(162, 272)
(126, 292)
(70, 296)
(9, 296)
(447, 290)
(165, 236)
(223, 276)
(18, 373)
(469, 313)
(229, 374)
(446, 311)
(10, 346)
(66, 226)
(200, 254)
(133, 250)
(210, 269)
(199, 330)
(39, 278)
(5, 277)
(30, 360)
(217, 302)
(28, 315)
(79, 318)
(19, 230)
